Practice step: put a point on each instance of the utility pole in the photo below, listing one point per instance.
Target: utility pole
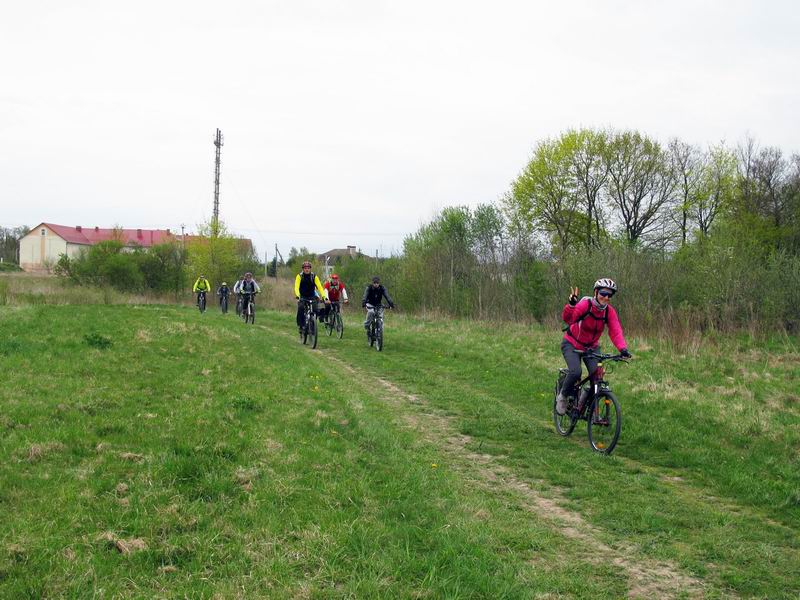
(218, 142)
(183, 237)
(277, 254)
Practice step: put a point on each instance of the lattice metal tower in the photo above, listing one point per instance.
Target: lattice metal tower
(218, 142)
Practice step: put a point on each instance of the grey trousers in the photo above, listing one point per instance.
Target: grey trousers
(573, 360)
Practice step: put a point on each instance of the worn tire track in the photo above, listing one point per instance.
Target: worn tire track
(647, 578)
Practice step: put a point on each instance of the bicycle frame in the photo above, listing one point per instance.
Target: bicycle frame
(308, 311)
(248, 300)
(377, 317)
(597, 381)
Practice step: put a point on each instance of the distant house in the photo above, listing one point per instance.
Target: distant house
(41, 248)
(331, 256)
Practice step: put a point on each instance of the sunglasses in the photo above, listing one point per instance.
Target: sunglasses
(606, 294)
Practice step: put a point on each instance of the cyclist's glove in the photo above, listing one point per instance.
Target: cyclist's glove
(624, 353)
(573, 300)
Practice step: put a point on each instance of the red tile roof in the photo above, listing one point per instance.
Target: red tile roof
(92, 235)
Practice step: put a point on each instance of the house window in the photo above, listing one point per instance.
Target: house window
(44, 231)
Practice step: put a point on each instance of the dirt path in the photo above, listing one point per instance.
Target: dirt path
(647, 578)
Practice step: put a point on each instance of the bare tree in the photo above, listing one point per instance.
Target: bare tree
(590, 173)
(688, 169)
(771, 173)
(640, 184)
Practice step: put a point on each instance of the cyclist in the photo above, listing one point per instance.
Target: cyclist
(373, 295)
(586, 319)
(237, 289)
(305, 284)
(201, 287)
(222, 292)
(336, 293)
(247, 290)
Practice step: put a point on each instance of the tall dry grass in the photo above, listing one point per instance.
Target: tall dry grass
(24, 289)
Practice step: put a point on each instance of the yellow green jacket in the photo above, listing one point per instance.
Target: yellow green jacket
(303, 286)
(201, 285)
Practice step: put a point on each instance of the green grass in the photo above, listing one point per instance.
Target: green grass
(235, 462)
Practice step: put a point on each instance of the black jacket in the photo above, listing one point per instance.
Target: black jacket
(374, 296)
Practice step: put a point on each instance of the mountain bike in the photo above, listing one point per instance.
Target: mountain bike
(592, 401)
(334, 320)
(223, 304)
(308, 335)
(248, 307)
(201, 301)
(375, 327)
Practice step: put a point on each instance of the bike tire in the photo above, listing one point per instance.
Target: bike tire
(251, 314)
(604, 425)
(202, 304)
(565, 424)
(338, 325)
(330, 324)
(312, 326)
(224, 307)
(379, 339)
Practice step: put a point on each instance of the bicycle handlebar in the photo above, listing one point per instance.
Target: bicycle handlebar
(602, 357)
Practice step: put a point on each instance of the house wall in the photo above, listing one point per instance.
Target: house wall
(39, 252)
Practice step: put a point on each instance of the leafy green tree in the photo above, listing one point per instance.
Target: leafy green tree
(717, 187)
(220, 257)
(545, 196)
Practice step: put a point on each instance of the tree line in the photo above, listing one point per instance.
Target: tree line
(696, 237)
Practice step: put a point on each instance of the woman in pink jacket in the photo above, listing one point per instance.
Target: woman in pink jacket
(586, 319)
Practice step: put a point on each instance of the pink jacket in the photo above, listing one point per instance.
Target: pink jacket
(585, 334)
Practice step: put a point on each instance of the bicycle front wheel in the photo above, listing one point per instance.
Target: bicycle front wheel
(312, 333)
(338, 325)
(604, 423)
(251, 313)
(379, 339)
(330, 323)
(565, 423)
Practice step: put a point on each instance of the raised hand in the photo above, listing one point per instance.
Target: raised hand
(573, 296)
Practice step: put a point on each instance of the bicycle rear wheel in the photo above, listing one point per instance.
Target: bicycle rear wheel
(565, 424)
(604, 423)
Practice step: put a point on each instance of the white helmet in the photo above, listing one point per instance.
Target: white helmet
(605, 283)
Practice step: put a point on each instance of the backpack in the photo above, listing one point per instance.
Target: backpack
(586, 314)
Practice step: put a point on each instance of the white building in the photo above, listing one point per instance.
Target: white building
(41, 248)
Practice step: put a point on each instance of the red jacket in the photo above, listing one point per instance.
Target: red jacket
(334, 293)
(585, 334)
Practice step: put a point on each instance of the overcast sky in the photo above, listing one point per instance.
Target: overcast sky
(353, 122)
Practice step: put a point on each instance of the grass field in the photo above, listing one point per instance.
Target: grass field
(150, 451)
